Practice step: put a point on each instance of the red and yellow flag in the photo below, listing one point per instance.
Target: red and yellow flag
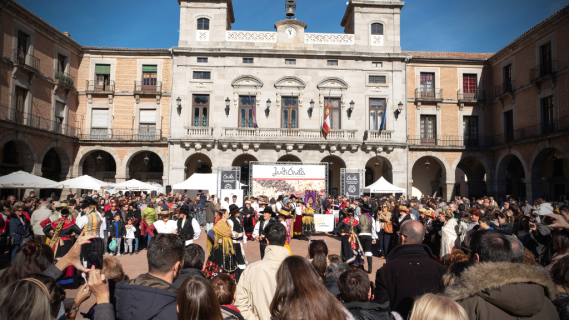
(326, 124)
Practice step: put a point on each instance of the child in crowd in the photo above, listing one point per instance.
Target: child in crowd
(224, 287)
(130, 229)
(117, 232)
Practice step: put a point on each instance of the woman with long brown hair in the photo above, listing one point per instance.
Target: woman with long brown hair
(197, 300)
(301, 295)
(318, 253)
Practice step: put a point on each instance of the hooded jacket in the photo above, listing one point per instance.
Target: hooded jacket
(145, 297)
(258, 284)
(503, 290)
(209, 212)
(562, 303)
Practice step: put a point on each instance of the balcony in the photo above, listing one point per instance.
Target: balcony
(143, 87)
(473, 96)
(26, 61)
(200, 131)
(286, 134)
(63, 78)
(377, 135)
(21, 118)
(105, 87)
(121, 135)
(548, 68)
(435, 95)
(506, 88)
(439, 141)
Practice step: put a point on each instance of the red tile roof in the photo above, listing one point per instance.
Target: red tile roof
(449, 55)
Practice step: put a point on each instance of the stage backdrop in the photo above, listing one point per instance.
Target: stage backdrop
(274, 179)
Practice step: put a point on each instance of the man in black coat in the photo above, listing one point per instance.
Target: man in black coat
(188, 227)
(409, 272)
(194, 264)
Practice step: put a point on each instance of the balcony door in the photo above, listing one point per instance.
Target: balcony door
(200, 110)
(470, 130)
(469, 86)
(507, 78)
(428, 129)
(547, 124)
(509, 125)
(377, 114)
(335, 112)
(545, 59)
(246, 110)
(21, 95)
(22, 49)
(149, 76)
(427, 85)
(99, 124)
(147, 126)
(289, 115)
(102, 77)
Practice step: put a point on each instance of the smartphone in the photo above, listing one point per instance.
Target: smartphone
(94, 253)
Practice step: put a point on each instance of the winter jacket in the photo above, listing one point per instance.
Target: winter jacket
(258, 284)
(368, 311)
(149, 215)
(229, 313)
(17, 229)
(505, 228)
(39, 215)
(409, 272)
(121, 229)
(562, 303)
(504, 290)
(145, 297)
(544, 241)
(209, 212)
(184, 274)
(332, 285)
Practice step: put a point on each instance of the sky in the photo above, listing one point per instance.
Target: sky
(426, 25)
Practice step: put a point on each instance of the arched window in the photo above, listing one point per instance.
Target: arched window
(377, 28)
(203, 24)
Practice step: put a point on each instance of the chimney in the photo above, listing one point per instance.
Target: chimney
(67, 34)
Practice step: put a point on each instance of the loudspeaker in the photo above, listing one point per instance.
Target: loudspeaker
(168, 189)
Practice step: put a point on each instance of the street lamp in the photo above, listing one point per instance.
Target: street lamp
(99, 159)
(268, 109)
(400, 107)
(227, 103)
(146, 160)
(351, 109)
(427, 164)
(311, 108)
(179, 103)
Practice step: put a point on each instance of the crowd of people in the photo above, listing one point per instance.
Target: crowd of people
(463, 259)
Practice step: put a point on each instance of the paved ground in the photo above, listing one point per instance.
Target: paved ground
(136, 264)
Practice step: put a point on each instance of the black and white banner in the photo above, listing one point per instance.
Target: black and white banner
(228, 180)
(352, 184)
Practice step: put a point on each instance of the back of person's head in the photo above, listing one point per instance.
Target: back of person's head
(529, 258)
(276, 234)
(195, 257)
(437, 307)
(517, 250)
(561, 242)
(224, 287)
(113, 271)
(301, 295)
(456, 255)
(25, 299)
(318, 252)
(52, 289)
(33, 257)
(490, 246)
(560, 274)
(413, 231)
(454, 272)
(354, 286)
(335, 269)
(334, 258)
(164, 251)
(197, 300)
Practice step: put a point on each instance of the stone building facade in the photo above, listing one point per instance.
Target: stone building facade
(464, 124)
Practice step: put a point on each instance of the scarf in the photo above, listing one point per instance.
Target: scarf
(222, 230)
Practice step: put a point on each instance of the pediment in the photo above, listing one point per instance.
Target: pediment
(247, 81)
(290, 82)
(333, 83)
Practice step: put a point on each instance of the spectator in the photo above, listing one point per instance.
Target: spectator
(151, 295)
(561, 244)
(449, 236)
(32, 258)
(258, 284)
(224, 288)
(40, 215)
(409, 272)
(560, 276)
(504, 226)
(301, 295)
(333, 272)
(194, 264)
(355, 291)
(318, 252)
(35, 306)
(113, 271)
(456, 255)
(129, 236)
(334, 258)
(494, 288)
(19, 229)
(431, 307)
(529, 259)
(209, 213)
(517, 250)
(454, 272)
(196, 300)
(117, 232)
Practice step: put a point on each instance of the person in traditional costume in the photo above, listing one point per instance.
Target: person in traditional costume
(296, 209)
(222, 254)
(449, 233)
(285, 217)
(368, 234)
(165, 224)
(61, 232)
(239, 238)
(188, 227)
(351, 249)
(259, 232)
(249, 219)
(308, 229)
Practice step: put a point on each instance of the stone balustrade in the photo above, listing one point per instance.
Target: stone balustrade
(250, 36)
(288, 133)
(329, 38)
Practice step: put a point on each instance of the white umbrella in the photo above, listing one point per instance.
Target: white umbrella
(83, 182)
(24, 180)
(135, 185)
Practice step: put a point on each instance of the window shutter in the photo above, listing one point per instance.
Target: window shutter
(149, 68)
(100, 118)
(103, 69)
(59, 109)
(148, 116)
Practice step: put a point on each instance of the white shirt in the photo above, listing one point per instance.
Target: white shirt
(197, 230)
(239, 235)
(130, 232)
(255, 206)
(225, 205)
(83, 220)
(256, 231)
(168, 227)
(279, 206)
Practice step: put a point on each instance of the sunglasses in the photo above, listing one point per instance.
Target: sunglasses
(465, 248)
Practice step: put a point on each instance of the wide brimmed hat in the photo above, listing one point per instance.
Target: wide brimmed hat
(62, 204)
(268, 210)
(422, 210)
(185, 209)
(234, 208)
(286, 212)
(88, 202)
(164, 210)
(247, 202)
(402, 208)
(430, 213)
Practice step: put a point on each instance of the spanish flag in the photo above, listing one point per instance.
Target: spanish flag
(326, 124)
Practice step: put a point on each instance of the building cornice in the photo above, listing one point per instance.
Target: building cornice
(369, 3)
(122, 51)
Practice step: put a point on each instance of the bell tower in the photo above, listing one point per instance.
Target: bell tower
(290, 9)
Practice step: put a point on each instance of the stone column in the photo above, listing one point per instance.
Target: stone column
(448, 190)
(500, 188)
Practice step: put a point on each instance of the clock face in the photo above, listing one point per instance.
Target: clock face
(290, 32)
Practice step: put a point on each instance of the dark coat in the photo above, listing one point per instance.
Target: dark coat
(562, 305)
(409, 272)
(209, 212)
(368, 311)
(121, 229)
(184, 274)
(17, 229)
(504, 290)
(137, 216)
(187, 231)
(109, 217)
(145, 297)
(504, 228)
(332, 285)
(396, 223)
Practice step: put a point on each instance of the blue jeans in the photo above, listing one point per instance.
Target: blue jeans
(148, 237)
(383, 242)
(135, 243)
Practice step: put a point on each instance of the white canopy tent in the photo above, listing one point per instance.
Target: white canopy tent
(135, 185)
(382, 186)
(206, 182)
(83, 182)
(24, 180)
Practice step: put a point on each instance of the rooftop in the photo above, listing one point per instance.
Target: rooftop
(449, 55)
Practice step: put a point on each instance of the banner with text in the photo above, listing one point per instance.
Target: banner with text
(272, 180)
(324, 222)
(352, 184)
(228, 180)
